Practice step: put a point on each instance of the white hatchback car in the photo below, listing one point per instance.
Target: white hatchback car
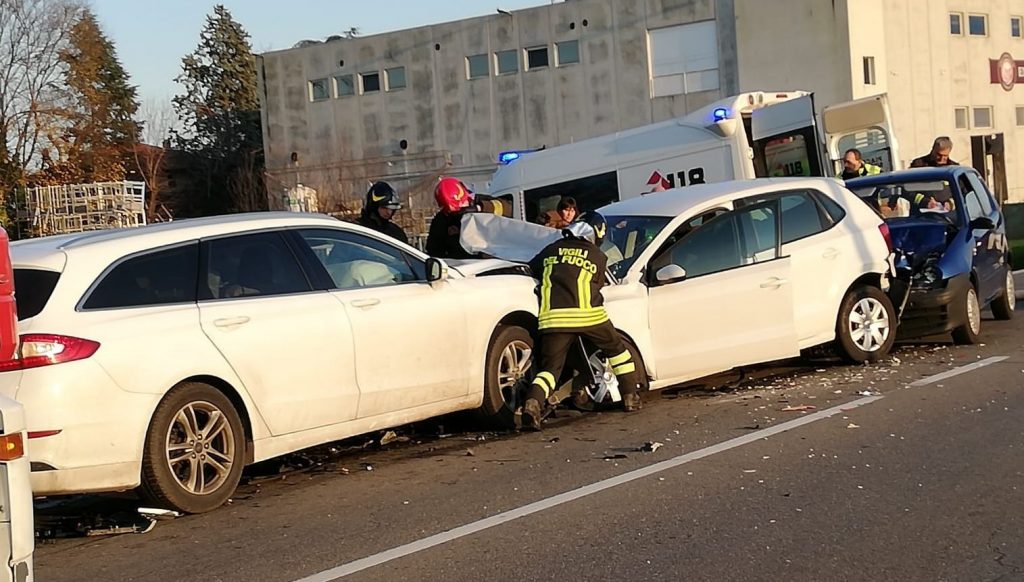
(717, 276)
(172, 355)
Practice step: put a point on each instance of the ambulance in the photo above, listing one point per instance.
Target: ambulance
(751, 135)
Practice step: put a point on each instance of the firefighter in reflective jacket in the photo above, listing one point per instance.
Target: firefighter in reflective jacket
(571, 273)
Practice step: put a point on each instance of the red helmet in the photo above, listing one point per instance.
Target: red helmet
(452, 195)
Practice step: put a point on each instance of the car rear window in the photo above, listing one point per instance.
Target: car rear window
(32, 289)
(161, 277)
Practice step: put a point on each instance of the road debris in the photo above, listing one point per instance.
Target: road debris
(867, 393)
(650, 447)
(470, 453)
(153, 513)
(851, 425)
(799, 408)
(615, 457)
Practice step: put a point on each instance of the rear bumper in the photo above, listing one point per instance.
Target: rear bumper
(934, 312)
(111, 477)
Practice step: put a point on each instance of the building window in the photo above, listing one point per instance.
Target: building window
(960, 118)
(568, 52)
(477, 66)
(395, 78)
(977, 24)
(956, 23)
(1015, 26)
(536, 58)
(319, 90)
(869, 71)
(370, 82)
(684, 59)
(344, 85)
(507, 62)
(1020, 116)
(982, 117)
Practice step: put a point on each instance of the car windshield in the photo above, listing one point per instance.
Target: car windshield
(627, 238)
(911, 200)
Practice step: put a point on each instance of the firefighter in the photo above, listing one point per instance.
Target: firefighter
(453, 200)
(854, 166)
(382, 203)
(571, 273)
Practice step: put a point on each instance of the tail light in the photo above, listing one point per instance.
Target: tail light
(38, 350)
(884, 229)
(12, 446)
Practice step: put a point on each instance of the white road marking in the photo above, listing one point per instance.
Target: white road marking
(568, 496)
(957, 371)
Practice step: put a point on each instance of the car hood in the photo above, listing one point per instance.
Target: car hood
(917, 236)
(480, 267)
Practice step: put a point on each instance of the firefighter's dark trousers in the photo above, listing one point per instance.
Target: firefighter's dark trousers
(555, 346)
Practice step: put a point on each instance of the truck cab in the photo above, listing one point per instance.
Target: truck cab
(751, 135)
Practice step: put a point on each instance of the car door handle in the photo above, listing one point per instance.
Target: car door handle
(773, 283)
(365, 303)
(231, 321)
(830, 254)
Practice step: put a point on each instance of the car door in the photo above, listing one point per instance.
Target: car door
(864, 124)
(410, 336)
(818, 257)
(291, 346)
(735, 304)
(989, 243)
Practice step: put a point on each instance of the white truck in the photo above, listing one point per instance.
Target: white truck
(17, 534)
(751, 135)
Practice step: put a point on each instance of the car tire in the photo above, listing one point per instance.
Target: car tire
(864, 311)
(176, 447)
(509, 362)
(1004, 305)
(969, 309)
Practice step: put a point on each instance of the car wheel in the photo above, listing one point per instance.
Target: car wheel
(866, 328)
(1004, 305)
(969, 309)
(509, 360)
(599, 364)
(194, 450)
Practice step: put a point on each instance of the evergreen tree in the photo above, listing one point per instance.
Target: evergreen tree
(95, 142)
(220, 114)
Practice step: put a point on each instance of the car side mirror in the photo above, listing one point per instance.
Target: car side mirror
(670, 274)
(436, 270)
(982, 223)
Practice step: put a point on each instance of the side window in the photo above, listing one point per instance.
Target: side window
(158, 278)
(836, 213)
(971, 198)
(984, 196)
(252, 265)
(735, 239)
(354, 261)
(800, 217)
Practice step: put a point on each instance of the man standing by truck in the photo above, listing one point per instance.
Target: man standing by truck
(381, 204)
(938, 157)
(453, 201)
(854, 166)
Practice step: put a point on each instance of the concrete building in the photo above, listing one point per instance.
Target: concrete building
(410, 105)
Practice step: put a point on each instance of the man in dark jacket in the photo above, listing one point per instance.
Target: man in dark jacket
(382, 203)
(939, 155)
(572, 273)
(454, 200)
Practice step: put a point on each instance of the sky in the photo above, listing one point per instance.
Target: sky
(151, 36)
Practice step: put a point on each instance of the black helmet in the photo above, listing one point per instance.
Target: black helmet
(590, 226)
(382, 195)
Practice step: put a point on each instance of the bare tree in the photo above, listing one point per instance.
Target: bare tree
(32, 99)
(159, 121)
(246, 186)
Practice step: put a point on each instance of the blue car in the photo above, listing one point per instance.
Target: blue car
(953, 257)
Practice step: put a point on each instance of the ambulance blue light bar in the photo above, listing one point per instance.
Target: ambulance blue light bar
(720, 114)
(509, 157)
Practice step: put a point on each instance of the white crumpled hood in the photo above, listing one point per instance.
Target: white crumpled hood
(476, 267)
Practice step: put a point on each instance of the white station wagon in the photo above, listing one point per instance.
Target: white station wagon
(170, 356)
